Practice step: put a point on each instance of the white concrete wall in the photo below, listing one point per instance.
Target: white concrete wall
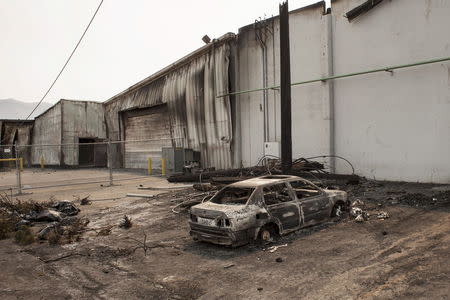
(310, 114)
(394, 127)
(391, 127)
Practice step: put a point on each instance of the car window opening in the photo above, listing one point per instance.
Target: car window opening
(304, 189)
(277, 193)
(233, 195)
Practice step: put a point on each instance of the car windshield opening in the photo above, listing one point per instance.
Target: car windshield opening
(233, 195)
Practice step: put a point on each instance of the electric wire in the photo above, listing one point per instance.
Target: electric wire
(65, 64)
(68, 59)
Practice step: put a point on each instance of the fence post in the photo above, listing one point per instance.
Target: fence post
(19, 182)
(42, 161)
(110, 163)
(163, 167)
(149, 166)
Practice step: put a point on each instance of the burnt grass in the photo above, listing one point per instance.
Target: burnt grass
(176, 267)
(388, 193)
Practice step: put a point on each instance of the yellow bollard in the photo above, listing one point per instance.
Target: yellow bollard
(163, 166)
(42, 162)
(21, 164)
(149, 166)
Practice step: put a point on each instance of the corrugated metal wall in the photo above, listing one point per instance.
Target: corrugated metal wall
(81, 119)
(65, 123)
(47, 130)
(198, 119)
(156, 122)
(16, 132)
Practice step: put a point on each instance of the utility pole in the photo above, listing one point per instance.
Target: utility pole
(285, 85)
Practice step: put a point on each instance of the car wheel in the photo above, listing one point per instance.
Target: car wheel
(338, 210)
(267, 234)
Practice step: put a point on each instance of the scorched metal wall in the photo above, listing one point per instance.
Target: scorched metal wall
(197, 118)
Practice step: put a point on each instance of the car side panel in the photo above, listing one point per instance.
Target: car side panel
(311, 210)
(288, 215)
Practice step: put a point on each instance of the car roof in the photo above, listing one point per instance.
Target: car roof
(265, 180)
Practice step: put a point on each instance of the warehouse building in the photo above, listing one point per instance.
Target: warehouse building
(60, 132)
(373, 119)
(387, 112)
(15, 132)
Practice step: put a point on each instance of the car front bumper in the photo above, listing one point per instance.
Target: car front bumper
(221, 236)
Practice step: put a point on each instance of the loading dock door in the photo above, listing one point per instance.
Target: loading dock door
(146, 124)
(91, 155)
(86, 152)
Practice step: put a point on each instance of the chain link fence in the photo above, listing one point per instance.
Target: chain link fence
(103, 161)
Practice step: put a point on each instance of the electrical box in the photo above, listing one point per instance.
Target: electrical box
(178, 158)
(272, 149)
(174, 159)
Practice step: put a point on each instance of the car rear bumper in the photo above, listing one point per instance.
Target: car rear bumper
(220, 236)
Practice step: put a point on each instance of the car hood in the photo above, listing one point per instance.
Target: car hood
(337, 193)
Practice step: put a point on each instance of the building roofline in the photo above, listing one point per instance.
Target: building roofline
(16, 120)
(65, 100)
(300, 9)
(177, 64)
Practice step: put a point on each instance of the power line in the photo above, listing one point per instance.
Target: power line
(64, 66)
(67, 61)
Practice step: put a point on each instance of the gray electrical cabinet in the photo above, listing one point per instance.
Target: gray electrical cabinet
(177, 158)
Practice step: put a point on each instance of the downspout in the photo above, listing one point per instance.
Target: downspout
(330, 84)
(262, 43)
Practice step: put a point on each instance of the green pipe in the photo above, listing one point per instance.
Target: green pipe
(386, 69)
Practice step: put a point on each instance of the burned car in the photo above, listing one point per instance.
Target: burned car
(263, 208)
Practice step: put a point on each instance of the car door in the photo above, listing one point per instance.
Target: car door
(312, 200)
(282, 206)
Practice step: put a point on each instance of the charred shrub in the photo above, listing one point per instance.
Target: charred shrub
(54, 237)
(7, 225)
(126, 222)
(24, 236)
(75, 230)
(105, 230)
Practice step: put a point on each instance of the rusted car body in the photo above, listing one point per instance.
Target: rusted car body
(262, 208)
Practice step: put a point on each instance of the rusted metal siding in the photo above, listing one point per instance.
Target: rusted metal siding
(65, 123)
(81, 119)
(156, 120)
(47, 130)
(16, 132)
(197, 118)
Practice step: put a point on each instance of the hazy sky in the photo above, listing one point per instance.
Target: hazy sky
(128, 41)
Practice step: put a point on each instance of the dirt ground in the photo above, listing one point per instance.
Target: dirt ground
(405, 256)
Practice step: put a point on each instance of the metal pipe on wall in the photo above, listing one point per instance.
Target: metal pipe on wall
(330, 84)
(385, 69)
(261, 37)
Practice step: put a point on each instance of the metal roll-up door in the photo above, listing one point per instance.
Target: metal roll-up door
(146, 124)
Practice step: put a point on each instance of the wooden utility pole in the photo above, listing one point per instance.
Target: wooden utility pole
(285, 85)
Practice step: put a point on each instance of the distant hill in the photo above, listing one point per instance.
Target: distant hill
(15, 109)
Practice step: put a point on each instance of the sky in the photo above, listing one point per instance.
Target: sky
(128, 41)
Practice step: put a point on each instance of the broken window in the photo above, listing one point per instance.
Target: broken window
(304, 189)
(232, 195)
(277, 193)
